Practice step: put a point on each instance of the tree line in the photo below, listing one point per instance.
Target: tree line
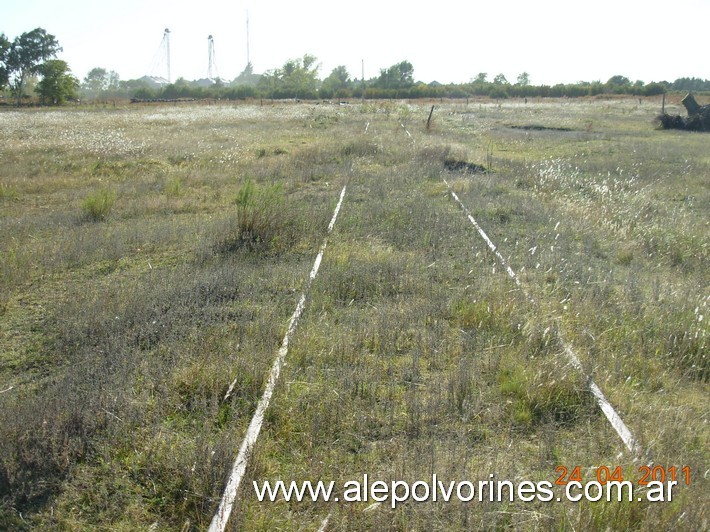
(29, 61)
(298, 79)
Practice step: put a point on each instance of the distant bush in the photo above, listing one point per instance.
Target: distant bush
(498, 92)
(241, 92)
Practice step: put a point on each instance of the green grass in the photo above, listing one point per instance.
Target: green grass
(416, 353)
(97, 205)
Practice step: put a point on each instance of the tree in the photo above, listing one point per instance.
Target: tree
(619, 84)
(480, 78)
(114, 81)
(524, 79)
(500, 80)
(247, 77)
(4, 51)
(619, 80)
(339, 77)
(298, 78)
(179, 89)
(399, 76)
(406, 74)
(95, 81)
(99, 81)
(653, 89)
(25, 56)
(338, 80)
(58, 84)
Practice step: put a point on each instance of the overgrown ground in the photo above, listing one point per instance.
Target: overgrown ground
(150, 256)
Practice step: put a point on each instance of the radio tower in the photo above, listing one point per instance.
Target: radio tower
(161, 63)
(248, 59)
(212, 64)
(166, 42)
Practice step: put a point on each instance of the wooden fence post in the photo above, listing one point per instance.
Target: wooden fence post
(428, 122)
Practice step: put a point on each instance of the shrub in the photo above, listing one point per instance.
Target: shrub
(547, 396)
(97, 205)
(173, 188)
(257, 219)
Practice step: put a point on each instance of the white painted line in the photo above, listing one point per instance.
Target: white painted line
(611, 414)
(7, 389)
(230, 389)
(221, 517)
(324, 524)
(490, 243)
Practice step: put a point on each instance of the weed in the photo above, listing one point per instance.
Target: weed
(8, 192)
(97, 205)
(173, 188)
(548, 398)
(362, 147)
(624, 257)
(257, 220)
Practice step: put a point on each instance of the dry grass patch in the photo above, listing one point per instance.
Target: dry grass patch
(416, 353)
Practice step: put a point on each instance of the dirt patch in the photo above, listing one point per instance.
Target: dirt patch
(537, 127)
(454, 165)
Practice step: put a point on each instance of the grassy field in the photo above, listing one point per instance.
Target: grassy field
(150, 257)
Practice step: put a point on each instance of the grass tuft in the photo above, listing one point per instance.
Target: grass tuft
(97, 205)
(257, 220)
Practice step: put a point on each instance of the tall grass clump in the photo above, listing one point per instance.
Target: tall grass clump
(173, 188)
(545, 396)
(8, 192)
(257, 219)
(97, 205)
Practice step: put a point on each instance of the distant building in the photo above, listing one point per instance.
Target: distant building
(204, 82)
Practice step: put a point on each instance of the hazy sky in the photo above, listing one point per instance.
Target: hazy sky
(555, 41)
